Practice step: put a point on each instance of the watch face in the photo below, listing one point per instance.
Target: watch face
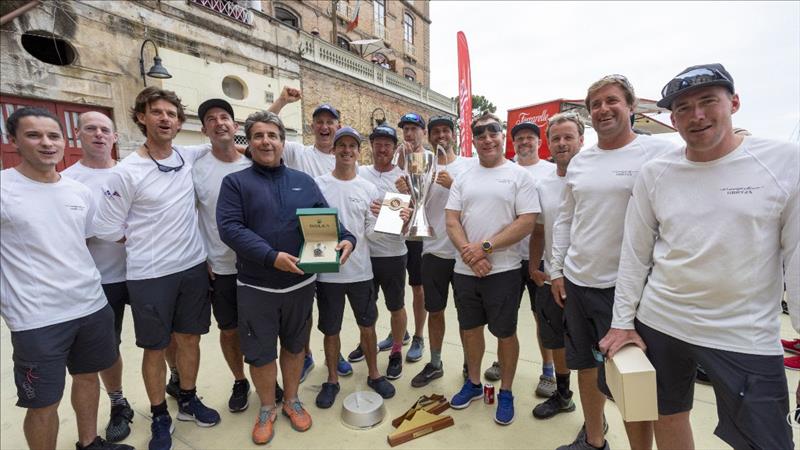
(487, 246)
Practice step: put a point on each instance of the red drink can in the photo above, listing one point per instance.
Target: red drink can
(488, 394)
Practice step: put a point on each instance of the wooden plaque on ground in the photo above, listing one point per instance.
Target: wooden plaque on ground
(433, 404)
(421, 424)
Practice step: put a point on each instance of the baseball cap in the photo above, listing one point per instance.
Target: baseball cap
(346, 131)
(383, 131)
(412, 118)
(441, 120)
(326, 108)
(695, 77)
(526, 126)
(213, 103)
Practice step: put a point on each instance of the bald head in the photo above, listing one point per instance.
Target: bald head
(97, 136)
(95, 115)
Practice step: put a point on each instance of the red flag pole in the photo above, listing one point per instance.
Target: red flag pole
(464, 95)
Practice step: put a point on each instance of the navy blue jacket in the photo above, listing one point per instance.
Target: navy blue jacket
(256, 217)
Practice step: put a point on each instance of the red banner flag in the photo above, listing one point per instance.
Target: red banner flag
(352, 24)
(464, 95)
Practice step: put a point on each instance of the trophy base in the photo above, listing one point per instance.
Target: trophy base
(420, 234)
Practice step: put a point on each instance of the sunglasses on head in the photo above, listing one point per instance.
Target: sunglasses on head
(693, 78)
(492, 127)
(411, 117)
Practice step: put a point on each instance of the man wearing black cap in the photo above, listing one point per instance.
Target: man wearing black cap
(678, 294)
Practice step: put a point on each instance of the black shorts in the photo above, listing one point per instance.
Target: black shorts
(587, 319)
(437, 277)
(223, 301)
(492, 300)
(526, 281)
(117, 295)
(330, 303)
(752, 400)
(551, 318)
(41, 355)
(175, 303)
(266, 316)
(389, 275)
(414, 262)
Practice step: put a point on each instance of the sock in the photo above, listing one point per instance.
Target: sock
(397, 346)
(116, 398)
(549, 370)
(186, 395)
(475, 385)
(562, 385)
(173, 374)
(159, 410)
(436, 358)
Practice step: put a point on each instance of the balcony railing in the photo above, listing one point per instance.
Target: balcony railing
(327, 55)
(227, 8)
(409, 48)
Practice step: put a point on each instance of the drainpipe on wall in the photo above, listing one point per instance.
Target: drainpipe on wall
(19, 11)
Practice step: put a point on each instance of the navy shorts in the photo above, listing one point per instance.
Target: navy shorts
(437, 277)
(414, 263)
(330, 303)
(492, 300)
(389, 275)
(527, 282)
(223, 301)
(117, 295)
(551, 318)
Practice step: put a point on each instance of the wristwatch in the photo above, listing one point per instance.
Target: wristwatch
(487, 247)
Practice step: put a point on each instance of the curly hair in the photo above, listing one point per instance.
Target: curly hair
(147, 97)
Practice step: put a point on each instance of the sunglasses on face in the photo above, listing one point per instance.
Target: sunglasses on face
(693, 78)
(492, 127)
(167, 169)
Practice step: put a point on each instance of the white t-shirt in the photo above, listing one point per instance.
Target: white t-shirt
(551, 190)
(384, 244)
(587, 235)
(490, 199)
(539, 171)
(352, 199)
(207, 174)
(47, 275)
(441, 246)
(706, 245)
(108, 256)
(308, 159)
(155, 211)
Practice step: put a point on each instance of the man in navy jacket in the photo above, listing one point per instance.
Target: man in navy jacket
(256, 217)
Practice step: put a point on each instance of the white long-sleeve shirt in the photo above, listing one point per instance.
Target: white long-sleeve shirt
(706, 246)
(587, 235)
(551, 190)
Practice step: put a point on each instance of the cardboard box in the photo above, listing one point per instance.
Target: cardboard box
(320, 229)
(632, 381)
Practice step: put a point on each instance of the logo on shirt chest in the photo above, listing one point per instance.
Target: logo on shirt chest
(625, 173)
(76, 207)
(110, 194)
(741, 190)
(504, 180)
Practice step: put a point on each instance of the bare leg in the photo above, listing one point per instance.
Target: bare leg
(333, 346)
(508, 354)
(112, 377)
(436, 329)
(640, 435)
(474, 345)
(41, 427)
(674, 432)
(419, 310)
(170, 354)
(399, 323)
(229, 343)
(85, 397)
(291, 366)
(154, 371)
(547, 354)
(560, 361)
(188, 359)
(369, 343)
(592, 401)
(309, 326)
(264, 379)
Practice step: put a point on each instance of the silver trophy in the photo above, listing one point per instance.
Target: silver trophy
(420, 174)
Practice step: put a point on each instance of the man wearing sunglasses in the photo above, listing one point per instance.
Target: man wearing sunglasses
(679, 296)
(149, 204)
(587, 238)
(491, 207)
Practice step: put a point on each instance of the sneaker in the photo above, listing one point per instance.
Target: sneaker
(386, 344)
(161, 433)
(239, 396)
(554, 405)
(308, 365)
(414, 354)
(194, 410)
(792, 362)
(583, 445)
(791, 346)
(263, 430)
(174, 387)
(381, 386)
(356, 355)
(118, 427)
(327, 395)
(493, 372)
(301, 420)
(100, 444)
(343, 368)
(546, 387)
(466, 395)
(428, 374)
(278, 393)
(701, 376)
(505, 408)
(395, 368)
(581, 437)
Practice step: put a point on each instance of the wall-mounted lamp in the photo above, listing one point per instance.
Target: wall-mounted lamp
(378, 117)
(157, 71)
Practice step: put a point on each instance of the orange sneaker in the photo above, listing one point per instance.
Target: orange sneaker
(263, 431)
(301, 420)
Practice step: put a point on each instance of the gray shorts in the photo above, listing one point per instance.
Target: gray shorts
(751, 394)
(389, 275)
(492, 300)
(83, 345)
(175, 303)
(551, 318)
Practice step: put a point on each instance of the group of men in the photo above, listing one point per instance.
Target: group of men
(631, 241)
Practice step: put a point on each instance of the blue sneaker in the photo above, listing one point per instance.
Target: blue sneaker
(161, 433)
(414, 354)
(308, 365)
(505, 408)
(343, 368)
(195, 411)
(466, 395)
(386, 344)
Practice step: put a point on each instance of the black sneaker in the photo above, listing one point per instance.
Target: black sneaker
(174, 387)
(356, 355)
(99, 444)
(382, 386)
(240, 394)
(395, 368)
(118, 427)
(554, 405)
(428, 374)
(581, 437)
(327, 395)
(278, 393)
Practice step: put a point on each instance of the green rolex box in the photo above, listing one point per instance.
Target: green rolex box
(320, 228)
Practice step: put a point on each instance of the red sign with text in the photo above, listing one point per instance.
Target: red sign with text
(464, 95)
(538, 114)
